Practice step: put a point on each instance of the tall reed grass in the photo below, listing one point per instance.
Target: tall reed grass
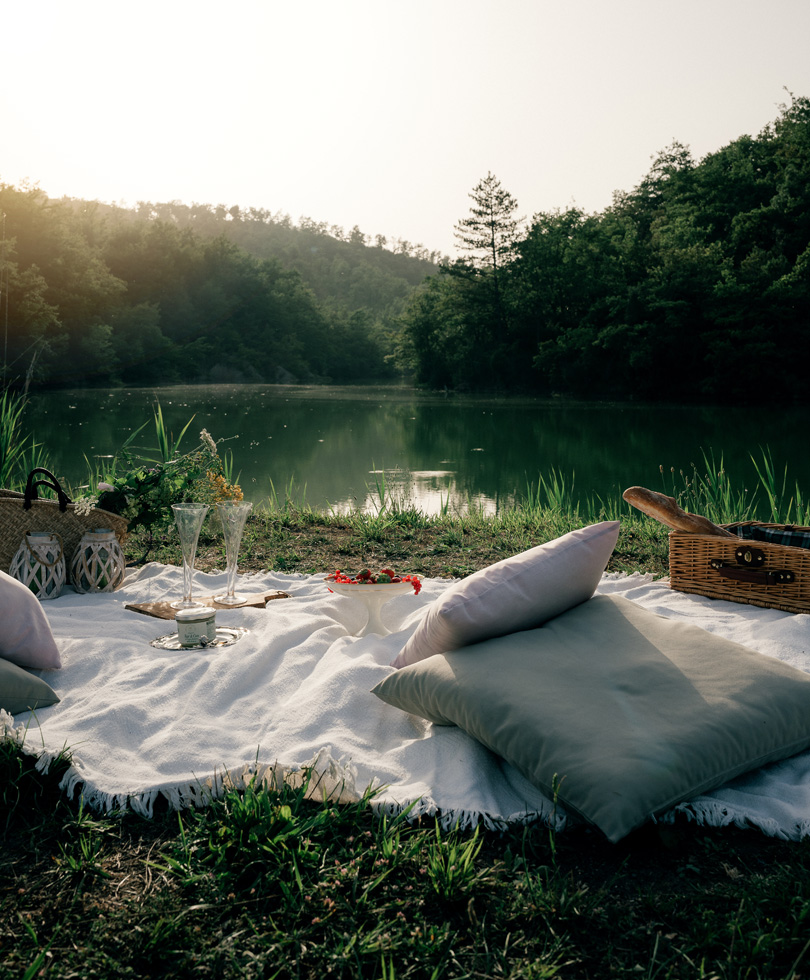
(708, 490)
(712, 492)
(19, 452)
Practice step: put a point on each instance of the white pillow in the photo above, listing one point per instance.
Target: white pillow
(25, 636)
(517, 593)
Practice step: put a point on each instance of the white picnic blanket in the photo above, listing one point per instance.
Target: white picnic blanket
(294, 693)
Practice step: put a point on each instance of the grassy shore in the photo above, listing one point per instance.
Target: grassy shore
(293, 539)
(264, 884)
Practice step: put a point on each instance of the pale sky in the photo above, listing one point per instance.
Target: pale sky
(383, 113)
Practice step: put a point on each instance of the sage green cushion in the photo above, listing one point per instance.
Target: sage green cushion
(23, 691)
(623, 712)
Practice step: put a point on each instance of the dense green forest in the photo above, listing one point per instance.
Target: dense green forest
(92, 293)
(693, 286)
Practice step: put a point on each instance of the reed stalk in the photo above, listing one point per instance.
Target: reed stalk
(19, 452)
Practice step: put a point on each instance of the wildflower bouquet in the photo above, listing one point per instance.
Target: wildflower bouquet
(142, 491)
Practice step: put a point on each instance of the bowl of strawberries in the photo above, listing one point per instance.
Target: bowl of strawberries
(373, 589)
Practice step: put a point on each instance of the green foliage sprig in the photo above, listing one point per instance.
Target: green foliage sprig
(143, 490)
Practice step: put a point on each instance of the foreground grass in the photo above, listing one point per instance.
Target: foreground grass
(268, 884)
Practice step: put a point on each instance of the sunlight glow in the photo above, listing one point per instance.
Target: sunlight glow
(383, 115)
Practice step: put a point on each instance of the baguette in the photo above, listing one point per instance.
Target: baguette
(666, 510)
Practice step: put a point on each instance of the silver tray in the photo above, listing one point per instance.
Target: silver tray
(226, 636)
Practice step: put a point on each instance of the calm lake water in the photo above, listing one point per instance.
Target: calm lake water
(331, 445)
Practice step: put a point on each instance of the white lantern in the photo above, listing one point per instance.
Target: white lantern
(98, 564)
(40, 564)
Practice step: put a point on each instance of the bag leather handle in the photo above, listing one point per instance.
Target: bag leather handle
(51, 482)
(757, 576)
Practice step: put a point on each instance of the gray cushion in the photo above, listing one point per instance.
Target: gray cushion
(626, 712)
(23, 691)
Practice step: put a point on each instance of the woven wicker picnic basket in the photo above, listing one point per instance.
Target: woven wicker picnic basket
(760, 573)
(58, 516)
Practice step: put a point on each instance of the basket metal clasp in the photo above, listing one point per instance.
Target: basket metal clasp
(749, 557)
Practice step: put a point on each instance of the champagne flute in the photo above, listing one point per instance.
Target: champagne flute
(189, 519)
(233, 514)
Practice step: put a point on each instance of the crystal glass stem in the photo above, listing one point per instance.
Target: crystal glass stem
(233, 514)
(189, 519)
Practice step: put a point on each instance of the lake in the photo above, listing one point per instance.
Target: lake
(331, 446)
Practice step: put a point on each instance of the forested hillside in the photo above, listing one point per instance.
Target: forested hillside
(99, 294)
(344, 269)
(693, 286)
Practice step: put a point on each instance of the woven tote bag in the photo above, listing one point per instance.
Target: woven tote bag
(22, 512)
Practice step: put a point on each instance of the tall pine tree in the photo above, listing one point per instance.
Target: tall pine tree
(489, 234)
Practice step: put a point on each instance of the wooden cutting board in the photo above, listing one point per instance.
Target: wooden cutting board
(163, 608)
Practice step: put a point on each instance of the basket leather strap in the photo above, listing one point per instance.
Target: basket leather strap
(51, 482)
(757, 576)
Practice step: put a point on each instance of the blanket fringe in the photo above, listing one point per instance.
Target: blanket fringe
(335, 780)
(324, 776)
(455, 819)
(713, 813)
(21, 734)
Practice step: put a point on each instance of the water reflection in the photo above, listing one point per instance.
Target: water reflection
(340, 448)
(430, 491)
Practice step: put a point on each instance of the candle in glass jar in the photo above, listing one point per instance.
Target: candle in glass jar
(196, 627)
